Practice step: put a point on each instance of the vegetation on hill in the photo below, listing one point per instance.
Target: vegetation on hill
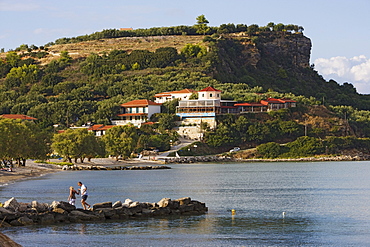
(73, 81)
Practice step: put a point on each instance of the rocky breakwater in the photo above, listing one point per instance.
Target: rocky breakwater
(14, 213)
(100, 168)
(196, 159)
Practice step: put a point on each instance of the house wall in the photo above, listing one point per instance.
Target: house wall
(153, 109)
(204, 95)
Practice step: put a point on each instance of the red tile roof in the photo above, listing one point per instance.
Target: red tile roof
(139, 102)
(17, 116)
(96, 127)
(249, 104)
(186, 90)
(210, 89)
(132, 114)
(276, 101)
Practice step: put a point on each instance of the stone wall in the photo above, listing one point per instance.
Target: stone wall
(14, 213)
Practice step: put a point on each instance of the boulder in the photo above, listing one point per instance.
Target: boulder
(127, 202)
(165, 202)
(23, 207)
(134, 204)
(117, 204)
(123, 211)
(40, 207)
(60, 211)
(184, 200)
(46, 218)
(7, 214)
(102, 205)
(63, 205)
(11, 204)
(109, 213)
(25, 221)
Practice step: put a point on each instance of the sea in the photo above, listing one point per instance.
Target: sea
(274, 204)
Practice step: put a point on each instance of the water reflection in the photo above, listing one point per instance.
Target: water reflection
(325, 204)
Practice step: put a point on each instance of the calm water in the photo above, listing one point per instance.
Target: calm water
(326, 204)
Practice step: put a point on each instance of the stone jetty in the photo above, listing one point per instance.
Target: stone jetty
(14, 213)
(98, 168)
(200, 159)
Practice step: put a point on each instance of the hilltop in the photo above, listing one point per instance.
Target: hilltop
(84, 79)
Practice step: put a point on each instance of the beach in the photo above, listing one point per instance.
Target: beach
(33, 169)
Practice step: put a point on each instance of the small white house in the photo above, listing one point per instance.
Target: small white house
(181, 95)
(137, 112)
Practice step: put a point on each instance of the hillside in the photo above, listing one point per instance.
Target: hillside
(85, 80)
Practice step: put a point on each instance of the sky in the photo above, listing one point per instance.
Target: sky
(338, 29)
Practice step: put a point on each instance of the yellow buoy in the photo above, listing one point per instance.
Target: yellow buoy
(233, 211)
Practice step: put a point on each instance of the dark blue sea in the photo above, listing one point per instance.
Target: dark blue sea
(325, 204)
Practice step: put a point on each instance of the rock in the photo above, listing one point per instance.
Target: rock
(23, 207)
(117, 204)
(46, 218)
(40, 207)
(60, 211)
(65, 167)
(6, 241)
(134, 204)
(109, 213)
(184, 200)
(63, 205)
(165, 202)
(25, 221)
(102, 205)
(11, 204)
(63, 212)
(78, 216)
(7, 214)
(4, 211)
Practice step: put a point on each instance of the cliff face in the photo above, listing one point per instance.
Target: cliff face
(294, 49)
(276, 60)
(281, 47)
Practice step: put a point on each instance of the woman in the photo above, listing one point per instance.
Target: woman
(72, 196)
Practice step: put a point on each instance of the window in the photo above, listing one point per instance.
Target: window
(210, 95)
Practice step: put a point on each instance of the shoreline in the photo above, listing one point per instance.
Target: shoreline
(34, 170)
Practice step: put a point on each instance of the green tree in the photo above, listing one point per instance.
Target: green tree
(22, 140)
(76, 144)
(269, 150)
(135, 66)
(190, 50)
(121, 141)
(27, 74)
(201, 26)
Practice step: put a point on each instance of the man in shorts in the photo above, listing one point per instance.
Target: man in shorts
(83, 191)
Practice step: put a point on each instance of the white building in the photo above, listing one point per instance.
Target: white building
(137, 112)
(181, 95)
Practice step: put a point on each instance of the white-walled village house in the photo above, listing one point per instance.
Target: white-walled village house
(137, 112)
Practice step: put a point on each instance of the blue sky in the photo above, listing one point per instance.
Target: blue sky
(338, 28)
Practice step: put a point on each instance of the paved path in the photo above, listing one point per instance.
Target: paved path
(183, 143)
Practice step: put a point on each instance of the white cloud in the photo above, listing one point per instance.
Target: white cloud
(355, 70)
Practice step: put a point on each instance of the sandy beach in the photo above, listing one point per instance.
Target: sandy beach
(33, 169)
(26, 172)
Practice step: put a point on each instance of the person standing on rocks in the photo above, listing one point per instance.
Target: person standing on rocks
(83, 191)
(72, 196)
